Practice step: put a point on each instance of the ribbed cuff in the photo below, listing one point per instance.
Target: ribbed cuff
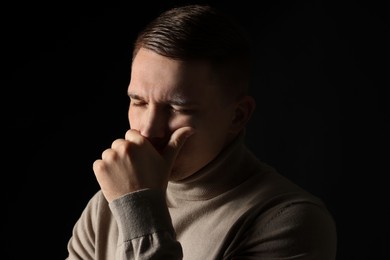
(141, 213)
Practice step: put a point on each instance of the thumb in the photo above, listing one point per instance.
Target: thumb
(178, 138)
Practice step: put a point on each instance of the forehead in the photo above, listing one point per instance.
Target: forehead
(157, 76)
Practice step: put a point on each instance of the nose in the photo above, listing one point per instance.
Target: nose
(154, 124)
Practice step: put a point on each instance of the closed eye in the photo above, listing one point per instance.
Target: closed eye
(181, 110)
(137, 101)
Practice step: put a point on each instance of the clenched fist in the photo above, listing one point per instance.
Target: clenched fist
(133, 163)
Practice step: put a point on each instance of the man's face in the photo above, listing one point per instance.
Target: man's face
(167, 94)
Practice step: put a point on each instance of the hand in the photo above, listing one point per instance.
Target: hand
(133, 164)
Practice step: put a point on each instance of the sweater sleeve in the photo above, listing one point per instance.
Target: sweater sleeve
(145, 227)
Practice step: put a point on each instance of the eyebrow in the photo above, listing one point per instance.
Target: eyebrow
(134, 96)
(175, 100)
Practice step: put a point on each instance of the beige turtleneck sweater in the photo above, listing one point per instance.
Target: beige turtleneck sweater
(235, 208)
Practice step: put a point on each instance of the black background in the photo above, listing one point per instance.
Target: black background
(319, 119)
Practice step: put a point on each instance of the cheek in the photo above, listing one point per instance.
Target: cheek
(176, 122)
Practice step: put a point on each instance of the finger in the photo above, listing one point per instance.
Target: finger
(98, 166)
(109, 155)
(176, 142)
(117, 143)
(133, 136)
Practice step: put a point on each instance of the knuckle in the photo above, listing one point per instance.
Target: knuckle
(98, 166)
(109, 155)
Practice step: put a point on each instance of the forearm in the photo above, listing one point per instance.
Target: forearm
(145, 226)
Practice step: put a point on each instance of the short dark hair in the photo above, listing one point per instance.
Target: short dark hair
(200, 32)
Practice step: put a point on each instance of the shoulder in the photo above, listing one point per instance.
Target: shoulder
(97, 207)
(287, 216)
(275, 199)
(97, 200)
(294, 228)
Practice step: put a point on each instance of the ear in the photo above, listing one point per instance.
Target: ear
(244, 109)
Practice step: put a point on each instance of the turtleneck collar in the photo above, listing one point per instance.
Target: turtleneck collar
(226, 171)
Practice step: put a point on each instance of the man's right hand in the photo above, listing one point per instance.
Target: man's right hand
(133, 163)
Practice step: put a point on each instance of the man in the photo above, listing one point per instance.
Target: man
(181, 184)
